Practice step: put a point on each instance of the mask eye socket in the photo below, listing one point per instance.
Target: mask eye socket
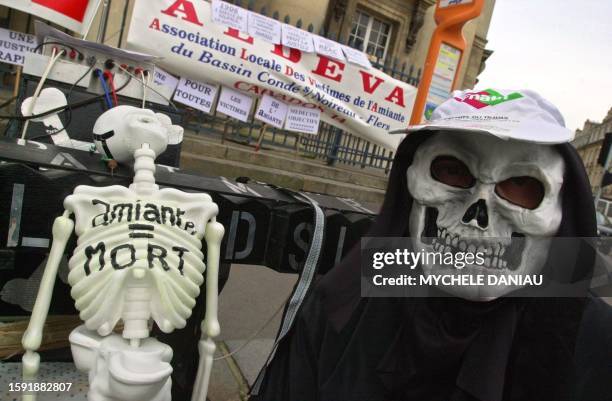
(451, 171)
(524, 191)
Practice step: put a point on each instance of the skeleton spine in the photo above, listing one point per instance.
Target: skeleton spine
(136, 311)
(144, 169)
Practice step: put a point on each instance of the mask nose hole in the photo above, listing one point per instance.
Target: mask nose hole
(477, 211)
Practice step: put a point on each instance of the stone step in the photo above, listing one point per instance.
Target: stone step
(212, 166)
(280, 162)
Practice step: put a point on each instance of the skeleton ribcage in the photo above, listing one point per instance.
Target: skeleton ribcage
(111, 258)
(137, 257)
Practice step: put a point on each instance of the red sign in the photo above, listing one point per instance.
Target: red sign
(76, 15)
(74, 9)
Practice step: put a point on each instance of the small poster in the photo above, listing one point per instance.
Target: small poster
(15, 45)
(234, 104)
(356, 57)
(297, 38)
(264, 28)
(163, 78)
(199, 95)
(443, 78)
(328, 48)
(271, 111)
(165, 83)
(229, 15)
(302, 119)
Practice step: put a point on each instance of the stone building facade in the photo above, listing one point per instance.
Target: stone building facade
(588, 142)
(389, 30)
(401, 30)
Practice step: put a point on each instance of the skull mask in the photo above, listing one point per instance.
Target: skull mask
(476, 193)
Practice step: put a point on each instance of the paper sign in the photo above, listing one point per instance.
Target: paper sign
(297, 38)
(229, 15)
(271, 111)
(234, 104)
(164, 83)
(302, 119)
(14, 46)
(264, 28)
(356, 57)
(328, 47)
(162, 78)
(196, 94)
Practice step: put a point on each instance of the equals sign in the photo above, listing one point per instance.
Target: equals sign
(148, 228)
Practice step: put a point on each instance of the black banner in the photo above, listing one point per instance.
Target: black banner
(264, 225)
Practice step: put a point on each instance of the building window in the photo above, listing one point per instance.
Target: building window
(370, 34)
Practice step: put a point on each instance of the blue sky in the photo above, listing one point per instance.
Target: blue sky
(559, 48)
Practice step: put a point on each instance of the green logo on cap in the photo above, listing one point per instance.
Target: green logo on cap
(487, 97)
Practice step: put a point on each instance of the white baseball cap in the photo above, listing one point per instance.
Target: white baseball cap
(521, 115)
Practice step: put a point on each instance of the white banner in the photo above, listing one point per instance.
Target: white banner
(75, 15)
(364, 102)
(14, 46)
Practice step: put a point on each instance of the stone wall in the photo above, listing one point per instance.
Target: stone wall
(588, 142)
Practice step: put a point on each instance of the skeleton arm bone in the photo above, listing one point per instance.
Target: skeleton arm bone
(213, 236)
(62, 228)
(210, 325)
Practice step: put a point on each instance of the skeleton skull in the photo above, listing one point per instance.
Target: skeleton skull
(474, 193)
(131, 127)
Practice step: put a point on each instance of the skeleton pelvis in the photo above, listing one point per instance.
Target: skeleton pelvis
(118, 371)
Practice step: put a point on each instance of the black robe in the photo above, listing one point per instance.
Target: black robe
(347, 348)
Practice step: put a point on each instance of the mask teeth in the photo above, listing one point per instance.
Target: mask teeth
(449, 242)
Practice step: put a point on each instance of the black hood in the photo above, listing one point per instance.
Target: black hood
(482, 342)
(348, 347)
(342, 283)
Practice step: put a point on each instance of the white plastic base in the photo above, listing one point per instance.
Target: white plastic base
(120, 372)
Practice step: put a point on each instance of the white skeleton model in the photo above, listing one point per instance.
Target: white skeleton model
(137, 260)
